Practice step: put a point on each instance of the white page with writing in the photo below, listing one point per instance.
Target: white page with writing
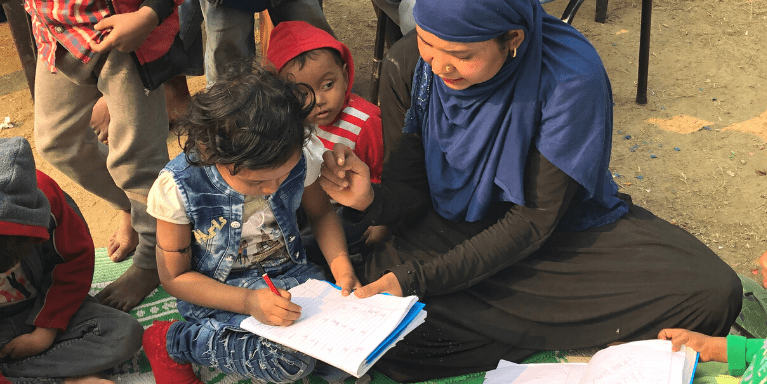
(555, 373)
(341, 331)
(639, 362)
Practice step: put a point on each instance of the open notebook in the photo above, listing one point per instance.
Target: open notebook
(639, 362)
(346, 332)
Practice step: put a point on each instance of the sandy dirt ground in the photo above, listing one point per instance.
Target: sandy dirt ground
(694, 154)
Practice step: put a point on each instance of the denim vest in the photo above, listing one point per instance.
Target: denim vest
(215, 211)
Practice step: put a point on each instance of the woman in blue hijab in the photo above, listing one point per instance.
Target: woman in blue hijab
(506, 221)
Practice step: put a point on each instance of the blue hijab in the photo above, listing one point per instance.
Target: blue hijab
(555, 94)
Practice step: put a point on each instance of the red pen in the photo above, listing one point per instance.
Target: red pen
(267, 279)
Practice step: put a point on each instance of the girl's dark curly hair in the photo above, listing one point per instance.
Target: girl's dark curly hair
(249, 118)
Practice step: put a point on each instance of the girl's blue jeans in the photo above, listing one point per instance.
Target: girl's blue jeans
(218, 341)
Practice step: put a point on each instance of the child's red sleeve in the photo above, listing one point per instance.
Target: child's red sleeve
(369, 147)
(73, 256)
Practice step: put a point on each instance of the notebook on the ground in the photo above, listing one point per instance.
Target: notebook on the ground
(346, 332)
(639, 362)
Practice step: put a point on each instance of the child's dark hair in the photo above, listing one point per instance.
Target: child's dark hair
(300, 60)
(248, 118)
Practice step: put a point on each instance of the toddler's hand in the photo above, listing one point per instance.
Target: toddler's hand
(348, 283)
(29, 344)
(271, 309)
(126, 31)
(710, 348)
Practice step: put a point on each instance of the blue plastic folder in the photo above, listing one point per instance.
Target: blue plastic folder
(346, 332)
(394, 336)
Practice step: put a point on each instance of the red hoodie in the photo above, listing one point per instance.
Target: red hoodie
(358, 125)
(70, 261)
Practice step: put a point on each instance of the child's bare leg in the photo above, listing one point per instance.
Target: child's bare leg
(177, 99)
(91, 379)
(129, 289)
(100, 120)
(124, 240)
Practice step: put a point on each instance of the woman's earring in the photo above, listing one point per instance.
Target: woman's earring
(448, 68)
(514, 54)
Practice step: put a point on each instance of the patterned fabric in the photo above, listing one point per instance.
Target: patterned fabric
(756, 373)
(753, 317)
(68, 22)
(15, 287)
(358, 127)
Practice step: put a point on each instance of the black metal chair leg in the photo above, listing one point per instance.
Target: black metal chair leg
(378, 52)
(572, 8)
(600, 16)
(644, 51)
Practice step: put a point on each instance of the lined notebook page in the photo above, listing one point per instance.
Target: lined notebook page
(341, 331)
(639, 362)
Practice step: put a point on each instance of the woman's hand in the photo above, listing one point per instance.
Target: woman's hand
(346, 178)
(29, 344)
(388, 283)
(271, 309)
(710, 348)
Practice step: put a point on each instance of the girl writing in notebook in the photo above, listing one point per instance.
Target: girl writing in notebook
(225, 212)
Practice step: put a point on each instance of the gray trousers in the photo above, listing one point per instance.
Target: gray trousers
(230, 32)
(98, 338)
(123, 173)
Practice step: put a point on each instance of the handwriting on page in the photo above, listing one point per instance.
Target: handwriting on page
(333, 325)
(559, 373)
(632, 364)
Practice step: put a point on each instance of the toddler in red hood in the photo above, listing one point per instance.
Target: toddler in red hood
(305, 54)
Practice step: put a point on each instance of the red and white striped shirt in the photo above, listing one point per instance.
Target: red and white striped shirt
(358, 126)
(68, 22)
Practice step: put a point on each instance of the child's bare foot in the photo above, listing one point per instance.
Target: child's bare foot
(87, 380)
(123, 241)
(129, 289)
(100, 120)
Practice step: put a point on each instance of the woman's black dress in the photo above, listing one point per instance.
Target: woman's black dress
(549, 290)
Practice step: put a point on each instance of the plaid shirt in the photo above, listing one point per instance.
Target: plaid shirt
(68, 22)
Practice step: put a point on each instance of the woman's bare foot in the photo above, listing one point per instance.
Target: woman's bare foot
(92, 379)
(129, 289)
(100, 120)
(123, 241)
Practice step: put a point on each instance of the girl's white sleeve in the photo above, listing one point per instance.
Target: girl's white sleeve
(313, 151)
(165, 202)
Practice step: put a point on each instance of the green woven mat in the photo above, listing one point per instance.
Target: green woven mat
(753, 317)
(161, 306)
